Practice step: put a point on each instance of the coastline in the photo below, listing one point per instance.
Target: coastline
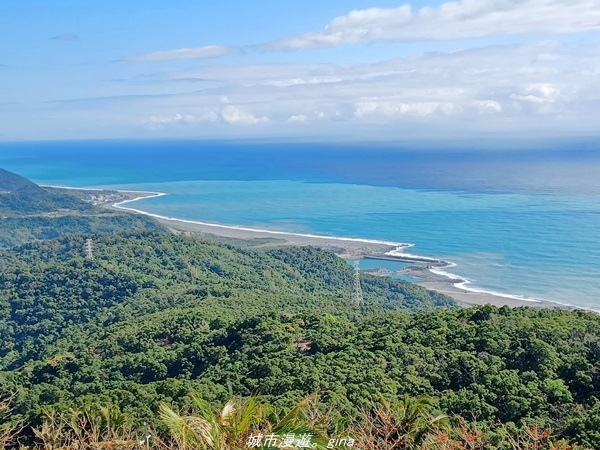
(429, 272)
(347, 248)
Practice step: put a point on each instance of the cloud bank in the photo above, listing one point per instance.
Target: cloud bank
(545, 86)
(451, 20)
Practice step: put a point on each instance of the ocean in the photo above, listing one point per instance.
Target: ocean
(521, 222)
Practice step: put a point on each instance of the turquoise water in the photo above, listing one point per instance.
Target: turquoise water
(389, 265)
(524, 224)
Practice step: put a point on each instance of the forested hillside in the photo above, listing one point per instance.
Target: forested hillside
(154, 317)
(29, 212)
(48, 286)
(10, 181)
(20, 197)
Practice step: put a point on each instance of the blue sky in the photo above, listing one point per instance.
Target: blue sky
(326, 70)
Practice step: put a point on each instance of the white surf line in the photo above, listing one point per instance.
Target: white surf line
(398, 245)
(152, 195)
(462, 282)
(118, 205)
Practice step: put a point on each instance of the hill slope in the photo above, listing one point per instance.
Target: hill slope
(32, 199)
(53, 300)
(155, 316)
(20, 197)
(29, 212)
(47, 286)
(11, 181)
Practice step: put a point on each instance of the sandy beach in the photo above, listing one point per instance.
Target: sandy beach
(347, 248)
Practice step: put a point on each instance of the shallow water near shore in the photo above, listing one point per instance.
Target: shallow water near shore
(391, 268)
(517, 223)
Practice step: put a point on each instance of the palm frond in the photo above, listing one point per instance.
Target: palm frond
(188, 431)
(251, 413)
(296, 413)
(228, 413)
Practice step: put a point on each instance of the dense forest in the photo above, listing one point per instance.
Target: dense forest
(10, 181)
(20, 197)
(154, 318)
(29, 212)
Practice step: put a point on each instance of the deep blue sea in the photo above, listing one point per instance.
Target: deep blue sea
(520, 222)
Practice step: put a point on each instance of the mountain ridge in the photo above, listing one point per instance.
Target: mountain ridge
(10, 181)
(31, 212)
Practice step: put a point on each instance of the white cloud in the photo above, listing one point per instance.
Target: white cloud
(487, 106)
(538, 93)
(208, 51)
(235, 115)
(175, 118)
(230, 114)
(158, 122)
(452, 20)
(312, 117)
(540, 99)
(298, 118)
(389, 109)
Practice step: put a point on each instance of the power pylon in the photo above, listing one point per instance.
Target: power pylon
(357, 296)
(89, 249)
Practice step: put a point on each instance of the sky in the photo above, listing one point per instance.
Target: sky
(299, 70)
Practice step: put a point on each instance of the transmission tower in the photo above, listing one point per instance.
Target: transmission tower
(89, 249)
(357, 296)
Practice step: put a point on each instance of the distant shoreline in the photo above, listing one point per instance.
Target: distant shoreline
(428, 271)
